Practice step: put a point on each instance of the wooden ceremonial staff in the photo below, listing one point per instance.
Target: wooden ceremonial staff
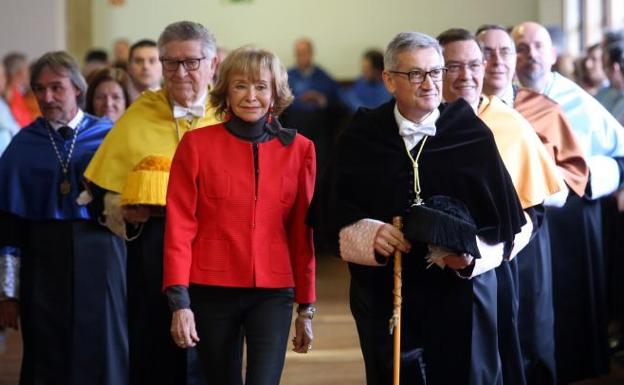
(395, 321)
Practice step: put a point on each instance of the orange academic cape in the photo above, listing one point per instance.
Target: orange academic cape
(554, 130)
(532, 170)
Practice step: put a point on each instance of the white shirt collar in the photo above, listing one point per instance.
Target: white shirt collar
(475, 105)
(550, 78)
(196, 109)
(508, 95)
(72, 123)
(413, 132)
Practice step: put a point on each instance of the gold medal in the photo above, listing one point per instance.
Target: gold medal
(65, 187)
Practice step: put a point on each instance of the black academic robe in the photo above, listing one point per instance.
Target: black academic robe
(154, 357)
(370, 177)
(579, 291)
(536, 320)
(517, 288)
(72, 302)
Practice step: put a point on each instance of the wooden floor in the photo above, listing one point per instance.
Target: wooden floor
(335, 358)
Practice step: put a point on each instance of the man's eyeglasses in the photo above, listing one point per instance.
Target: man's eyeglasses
(474, 67)
(417, 77)
(173, 64)
(504, 53)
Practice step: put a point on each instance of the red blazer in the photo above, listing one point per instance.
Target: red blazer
(221, 232)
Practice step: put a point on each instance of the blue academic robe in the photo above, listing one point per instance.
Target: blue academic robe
(72, 277)
(365, 93)
(316, 80)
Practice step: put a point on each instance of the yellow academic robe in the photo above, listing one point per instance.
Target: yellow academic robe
(147, 128)
(532, 170)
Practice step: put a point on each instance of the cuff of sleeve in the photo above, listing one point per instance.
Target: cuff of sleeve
(113, 218)
(522, 238)
(604, 176)
(178, 297)
(491, 257)
(9, 273)
(357, 242)
(559, 198)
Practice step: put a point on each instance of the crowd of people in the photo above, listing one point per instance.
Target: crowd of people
(159, 211)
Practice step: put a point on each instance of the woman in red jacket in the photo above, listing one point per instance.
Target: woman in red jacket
(237, 249)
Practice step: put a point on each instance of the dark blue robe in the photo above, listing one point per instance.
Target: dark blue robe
(73, 290)
(365, 93)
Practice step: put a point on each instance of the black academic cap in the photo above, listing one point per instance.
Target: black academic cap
(445, 222)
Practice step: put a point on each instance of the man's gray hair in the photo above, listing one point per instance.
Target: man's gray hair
(408, 41)
(58, 62)
(13, 61)
(189, 30)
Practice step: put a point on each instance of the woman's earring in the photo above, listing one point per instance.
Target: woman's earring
(270, 117)
(228, 113)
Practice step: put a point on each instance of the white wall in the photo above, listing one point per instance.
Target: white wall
(32, 26)
(341, 29)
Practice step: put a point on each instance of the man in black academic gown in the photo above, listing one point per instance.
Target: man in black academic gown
(72, 290)
(390, 157)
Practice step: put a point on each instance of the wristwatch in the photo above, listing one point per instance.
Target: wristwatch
(306, 310)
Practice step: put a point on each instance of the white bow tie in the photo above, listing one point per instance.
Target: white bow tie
(182, 112)
(413, 132)
(410, 129)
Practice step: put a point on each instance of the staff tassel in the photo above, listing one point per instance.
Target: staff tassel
(395, 321)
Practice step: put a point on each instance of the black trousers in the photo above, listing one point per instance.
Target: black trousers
(225, 317)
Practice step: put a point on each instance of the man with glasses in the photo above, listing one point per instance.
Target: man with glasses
(578, 260)
(153, 126)
(535, 178)
(535, 312)
(387, 160)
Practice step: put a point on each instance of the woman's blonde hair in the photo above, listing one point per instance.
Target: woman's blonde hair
(249, 61)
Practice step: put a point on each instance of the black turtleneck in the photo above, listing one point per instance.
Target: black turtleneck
(260, 131)
(252, 132)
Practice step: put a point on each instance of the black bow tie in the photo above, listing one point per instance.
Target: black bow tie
(66, 132)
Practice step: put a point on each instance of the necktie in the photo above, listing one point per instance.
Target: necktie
(66, 132)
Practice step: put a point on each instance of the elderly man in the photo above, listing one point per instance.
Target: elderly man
(532, 171)
(535, 314)
(144, 68)
(578, 266)
(145, 139)
(72, 294)
(388, 160)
